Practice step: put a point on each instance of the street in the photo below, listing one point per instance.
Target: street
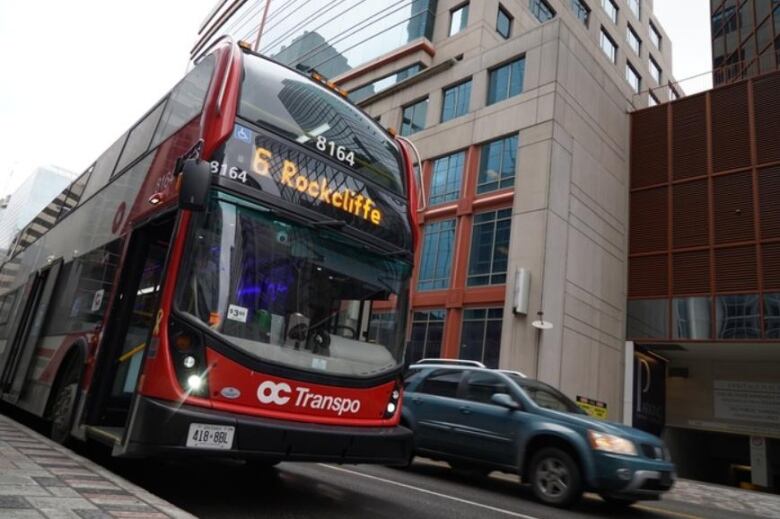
(427, 489)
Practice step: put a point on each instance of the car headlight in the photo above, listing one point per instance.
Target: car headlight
(611, 443)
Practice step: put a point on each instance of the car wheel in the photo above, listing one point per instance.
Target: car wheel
(64, 405)
(618, 502)
(555, 477)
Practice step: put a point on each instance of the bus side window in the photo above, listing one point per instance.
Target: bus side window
(186, 100)
(6, 305)
(140, 138)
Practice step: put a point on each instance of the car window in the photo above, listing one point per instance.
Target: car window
(482, 386)
(546, 396)
(443, 382)
(411, 376)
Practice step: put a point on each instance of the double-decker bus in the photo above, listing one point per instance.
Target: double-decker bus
(231, 276)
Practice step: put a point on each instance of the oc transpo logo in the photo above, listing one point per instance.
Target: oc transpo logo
(281, 394)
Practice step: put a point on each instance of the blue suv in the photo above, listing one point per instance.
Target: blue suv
(481, 420)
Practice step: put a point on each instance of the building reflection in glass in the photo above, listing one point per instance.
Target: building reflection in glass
(692, 318)
(738, 317)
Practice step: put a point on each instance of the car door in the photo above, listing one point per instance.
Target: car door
(434, 407)
(484, 430)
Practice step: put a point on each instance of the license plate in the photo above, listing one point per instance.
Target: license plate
(207, 436)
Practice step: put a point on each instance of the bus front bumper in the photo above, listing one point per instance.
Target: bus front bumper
(161, 428)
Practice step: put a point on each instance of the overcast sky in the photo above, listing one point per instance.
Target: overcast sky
(78, 73)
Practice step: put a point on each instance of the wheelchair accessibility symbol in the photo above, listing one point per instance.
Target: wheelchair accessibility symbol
(242, 134)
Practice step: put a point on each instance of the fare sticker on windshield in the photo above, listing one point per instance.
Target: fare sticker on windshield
(317, 189)
(237, 313)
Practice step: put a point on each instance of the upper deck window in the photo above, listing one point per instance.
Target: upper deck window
(299, 109)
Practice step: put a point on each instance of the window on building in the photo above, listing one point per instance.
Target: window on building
(504, 23)
(455, 101)
(609, 46)
(427, 334)
(633, 40)
(497, 164)
(633, 78)
(506, 81)
(652, 100)
(611, 8)
(691, 318)
(581, 11)
(673, 95)
(480, 337)
(436, 260)
(647, 319)
(655, 71)
(446, 178)
(489, 248)
(542, 10)
(738, 317)
(636, 7)
(413, 119)
(655, 36)
(459, 17)
(772, 316)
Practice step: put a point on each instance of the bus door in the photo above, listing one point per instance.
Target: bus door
(28, 322)
(130, 323)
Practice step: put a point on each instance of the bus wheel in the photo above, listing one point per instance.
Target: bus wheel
(64, 404)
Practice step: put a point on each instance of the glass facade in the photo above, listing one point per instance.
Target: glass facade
(365, 91)
(738, 317)
(459, 18)
(489, 248)
(436, 258)
(504, 23)
(692, 318)
(609, 46)
(413, 118)
(772, 316)
(427, 334)
(647, 318)
(542, 10)
(497, 164)
(581, 11)
(506, 81)
(480, 337)
(446, 178)
(455, 101)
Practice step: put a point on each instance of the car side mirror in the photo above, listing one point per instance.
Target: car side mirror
(195, 184)
(504, 400)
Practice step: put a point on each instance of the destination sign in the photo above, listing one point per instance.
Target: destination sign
(264, 162)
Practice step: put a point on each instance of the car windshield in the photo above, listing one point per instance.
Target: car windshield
(294, 295)
(302, 110)
(546, 396)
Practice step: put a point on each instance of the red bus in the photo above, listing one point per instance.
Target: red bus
(230, 277)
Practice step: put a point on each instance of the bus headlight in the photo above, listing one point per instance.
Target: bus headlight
(189, 359)
(392, 404)
(194, 382)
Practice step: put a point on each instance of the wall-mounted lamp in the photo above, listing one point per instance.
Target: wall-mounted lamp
(522, 291)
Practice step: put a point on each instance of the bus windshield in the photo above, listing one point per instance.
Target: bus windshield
(304, 111)
(293, 295)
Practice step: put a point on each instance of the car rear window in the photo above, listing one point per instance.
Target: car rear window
(482, 386)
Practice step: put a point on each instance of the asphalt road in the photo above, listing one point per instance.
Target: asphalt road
(307, 490)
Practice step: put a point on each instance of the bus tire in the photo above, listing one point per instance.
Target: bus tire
(63, 405)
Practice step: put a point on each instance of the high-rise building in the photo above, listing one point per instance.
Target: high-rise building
(520, 111)
(745, 38)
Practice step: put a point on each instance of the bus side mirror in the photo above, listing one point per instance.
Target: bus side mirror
(195, 183)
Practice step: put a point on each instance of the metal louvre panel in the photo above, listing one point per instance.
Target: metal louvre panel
(769, 203)
(730, 135)
(735, 269)
(691, 272)
(770, 259)
(649, 217)
(689, 137)
(766, 99)
(690, 225)
(648, 276)
(649, 155)
(733, 208)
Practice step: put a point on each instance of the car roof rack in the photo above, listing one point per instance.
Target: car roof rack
(453, 362)
(513, 372)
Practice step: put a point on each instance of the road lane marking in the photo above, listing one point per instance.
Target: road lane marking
(431, 492)
(666, 512)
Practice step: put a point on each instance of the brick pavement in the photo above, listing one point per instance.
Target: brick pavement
(39, 478)
(731, 499)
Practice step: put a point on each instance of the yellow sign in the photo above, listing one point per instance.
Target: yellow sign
(594, 408)
(319, 189)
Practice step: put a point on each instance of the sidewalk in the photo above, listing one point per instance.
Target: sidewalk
(39, 478)
(725, 498)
